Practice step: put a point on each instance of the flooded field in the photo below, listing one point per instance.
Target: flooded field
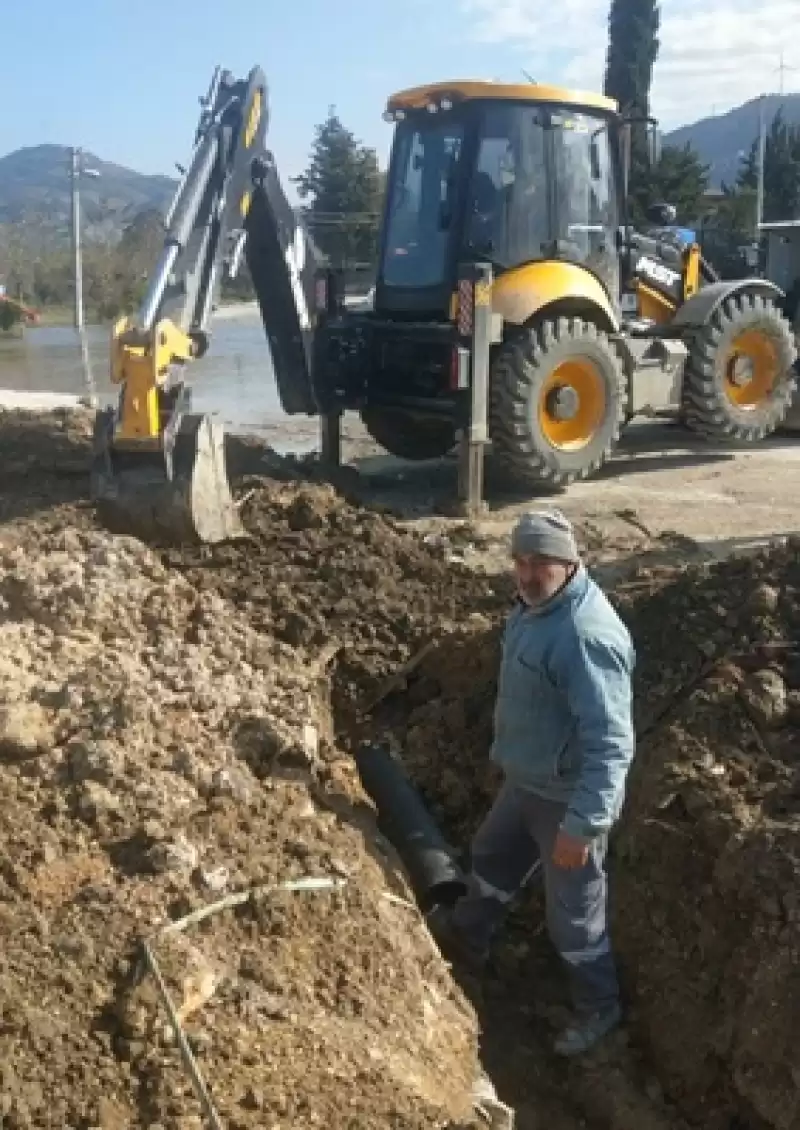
(235, 379)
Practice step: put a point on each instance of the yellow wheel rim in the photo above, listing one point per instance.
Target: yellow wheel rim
(572, 405)
(751, 370)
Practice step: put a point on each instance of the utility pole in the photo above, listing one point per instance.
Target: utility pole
(762, 150)
(783, 67)
(77, 171)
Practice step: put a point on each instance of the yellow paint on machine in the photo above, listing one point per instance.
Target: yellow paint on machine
(468, 90)
(585, 380)
(752, 370)
(691, 274)
(142, 369)
(253, 119)
(519, 294)
(653, 306)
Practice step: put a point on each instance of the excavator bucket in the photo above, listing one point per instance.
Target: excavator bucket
(177, 494)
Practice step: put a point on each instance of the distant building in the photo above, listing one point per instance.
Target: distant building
(712, 197)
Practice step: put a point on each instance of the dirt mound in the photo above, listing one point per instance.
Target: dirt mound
(158, 751)
(708, 912)
(45, 471)
(706, 868)
(319, 571)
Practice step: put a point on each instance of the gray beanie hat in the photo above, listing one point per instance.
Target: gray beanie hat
(546, 533)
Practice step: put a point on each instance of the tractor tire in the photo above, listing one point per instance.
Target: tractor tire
(558, 403)
(791, 421)
(406, 436)
(723, 403)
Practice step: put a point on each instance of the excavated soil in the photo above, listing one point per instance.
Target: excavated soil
(158, 751)
(707, 861)
(320, 573)
(172, 728)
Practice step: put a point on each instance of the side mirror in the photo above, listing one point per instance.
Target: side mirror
(662, 215)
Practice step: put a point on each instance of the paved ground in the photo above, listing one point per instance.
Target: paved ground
(663, 484)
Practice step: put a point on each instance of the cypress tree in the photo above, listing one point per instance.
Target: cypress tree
(633, 45)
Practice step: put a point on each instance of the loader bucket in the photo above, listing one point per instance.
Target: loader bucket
(176, 496)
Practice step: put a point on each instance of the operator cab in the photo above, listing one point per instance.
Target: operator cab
(504, 174)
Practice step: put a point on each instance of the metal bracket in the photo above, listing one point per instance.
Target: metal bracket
(477, 326)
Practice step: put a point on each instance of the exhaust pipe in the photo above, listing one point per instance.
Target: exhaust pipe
(405, 821)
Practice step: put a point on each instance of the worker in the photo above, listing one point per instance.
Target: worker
(564, 740)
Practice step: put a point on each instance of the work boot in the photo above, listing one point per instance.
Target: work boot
(454, 946)
(586, 1030)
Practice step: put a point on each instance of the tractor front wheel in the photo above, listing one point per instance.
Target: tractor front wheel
(559, 394)
(738, 381)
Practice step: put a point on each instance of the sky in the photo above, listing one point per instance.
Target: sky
(122, 79)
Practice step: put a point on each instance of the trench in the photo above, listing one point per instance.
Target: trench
(692, 935)
(714, 796)
(521, 1000)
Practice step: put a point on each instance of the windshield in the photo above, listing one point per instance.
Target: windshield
(421, 199)
(544, 187)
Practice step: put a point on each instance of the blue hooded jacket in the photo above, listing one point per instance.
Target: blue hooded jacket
(563, 725)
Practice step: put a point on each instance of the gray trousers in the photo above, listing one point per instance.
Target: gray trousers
(515, 842)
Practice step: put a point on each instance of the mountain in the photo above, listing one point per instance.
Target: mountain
(35, 181)
(720, 140)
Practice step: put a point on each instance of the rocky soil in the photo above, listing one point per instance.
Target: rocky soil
(158, 751)
(174, 727)
(321, 573)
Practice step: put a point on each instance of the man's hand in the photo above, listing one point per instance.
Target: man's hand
(570, 852)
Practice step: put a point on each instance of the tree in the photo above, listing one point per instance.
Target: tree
(781, 171)
(725, 230)
(9, 316)
(344, 186)
(633, 45)
(680, 178)
(732, 227)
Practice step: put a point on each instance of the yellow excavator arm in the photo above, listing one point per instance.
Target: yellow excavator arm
(159, 470)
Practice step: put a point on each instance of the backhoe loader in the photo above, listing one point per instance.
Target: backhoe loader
(592, 323)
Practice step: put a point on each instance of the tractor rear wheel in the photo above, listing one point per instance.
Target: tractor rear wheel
(791, 421)
(738, 381)
(406, 436)
(558, 402)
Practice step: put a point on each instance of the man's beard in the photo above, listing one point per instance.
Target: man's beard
(535, 594)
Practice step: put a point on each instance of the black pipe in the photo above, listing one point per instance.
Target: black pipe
(405, 821)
